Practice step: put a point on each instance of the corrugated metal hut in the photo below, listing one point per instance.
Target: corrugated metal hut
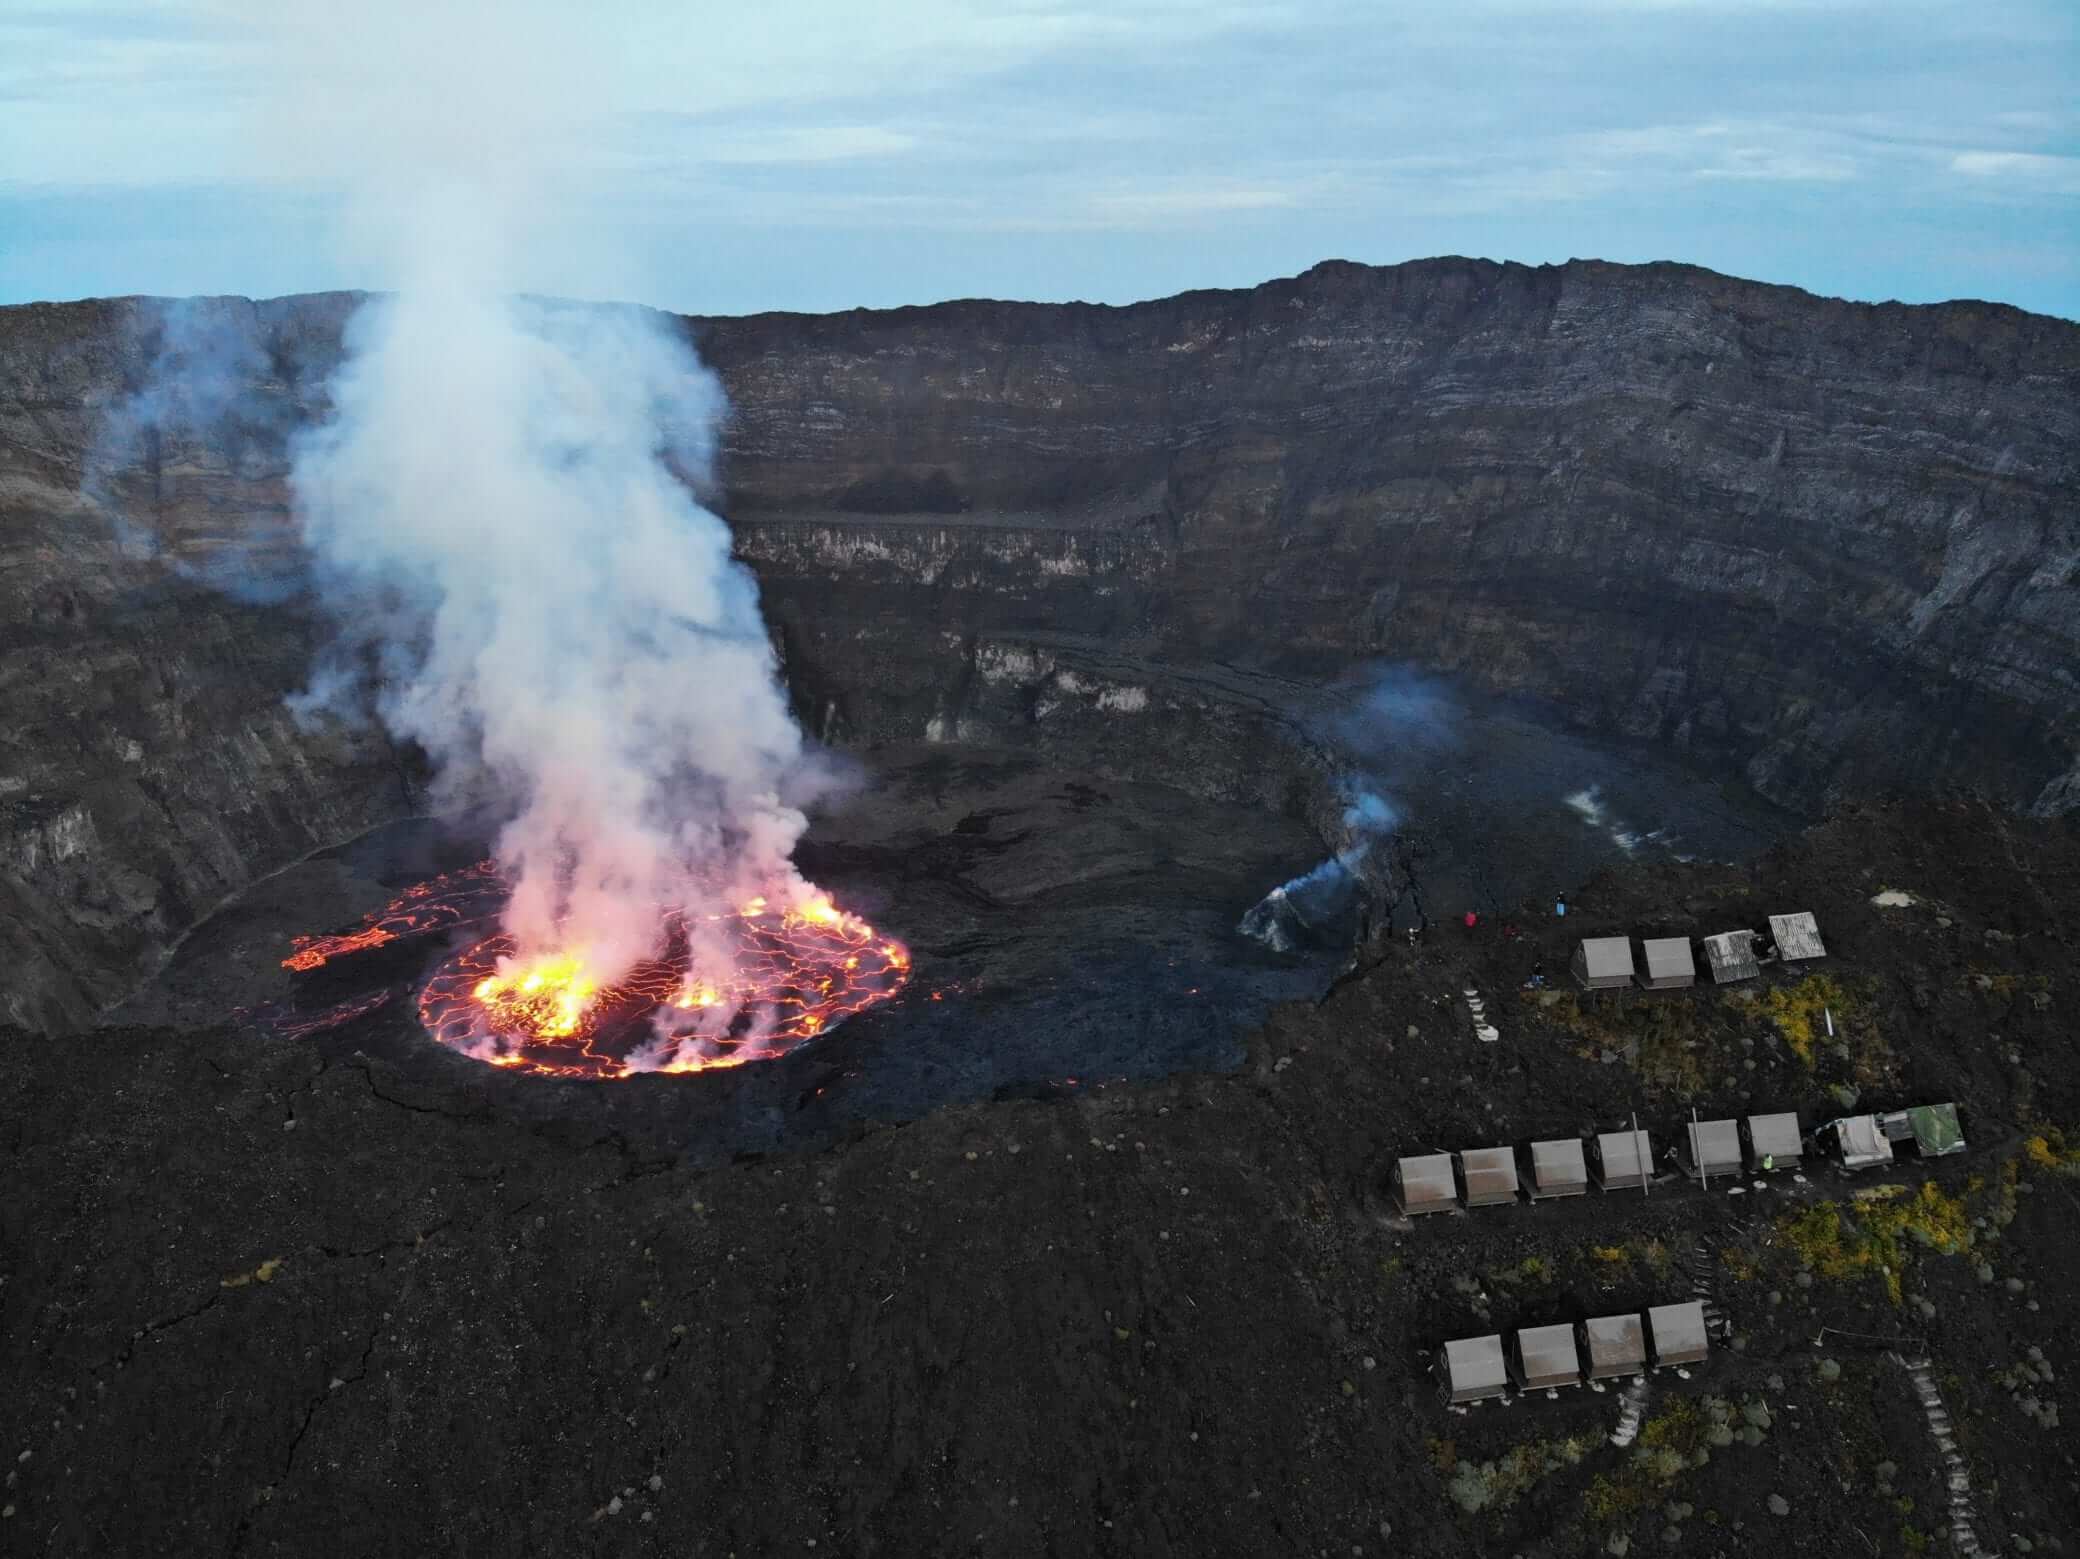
(1604, 962)
(1490, 1175)
(1624, 1159)
(1731, 956)
(1558, 1168)
(1669, 965)
(1471, 1369)
(1545, 1358)
(1678, 1334)
(1712, 1148)
(1797, 937)
(1773, 1141)
(1422, 1183)
(1615, 1345)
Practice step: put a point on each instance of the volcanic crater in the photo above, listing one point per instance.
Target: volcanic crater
(1602, 582)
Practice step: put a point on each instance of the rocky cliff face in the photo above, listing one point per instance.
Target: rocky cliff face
(1831, 547)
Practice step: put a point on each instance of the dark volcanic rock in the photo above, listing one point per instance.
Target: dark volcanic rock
(1830, 546)
(274, 1299)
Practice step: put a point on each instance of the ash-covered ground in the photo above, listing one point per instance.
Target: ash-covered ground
(284, 1298)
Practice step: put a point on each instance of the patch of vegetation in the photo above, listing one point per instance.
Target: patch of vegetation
(1478, 1486)
(1800, 1012)
(1670, 1442)
(2002, 983)
(264, 1273)
(1532, 1269)
(2000, 1204)
(1875, 1235)
(1666, 1040)
(1611, 1263)
(2052, 1149)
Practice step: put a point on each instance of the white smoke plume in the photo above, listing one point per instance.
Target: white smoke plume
(494, 515)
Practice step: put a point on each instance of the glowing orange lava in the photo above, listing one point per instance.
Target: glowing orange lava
(453, 899)
(779, 977)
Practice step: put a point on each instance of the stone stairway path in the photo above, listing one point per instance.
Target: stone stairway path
(1483, 1030)
(1631, 1413)
(1921, 1372)
(1702, 1268)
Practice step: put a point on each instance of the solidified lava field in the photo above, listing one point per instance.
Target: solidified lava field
(1067, 929)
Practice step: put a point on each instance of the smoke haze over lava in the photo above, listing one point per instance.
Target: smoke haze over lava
(500, 526)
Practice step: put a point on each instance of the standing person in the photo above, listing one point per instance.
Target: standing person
(1472, 920)
(1560, 906)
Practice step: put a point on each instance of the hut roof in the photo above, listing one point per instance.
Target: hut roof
(1427, 1178)
(1936, 1130)
(1490, 1172)
(1797, 936)
(1475, 1363)
(1862, 1140)
(1615, 1341)
(1715, 1143)
(1607, 957)
(1669, 958)
(1731, 956)
(1559, 1162)
(1548, 1354)
(1679, 1335)
(1625, 1152)
(1775, 1135)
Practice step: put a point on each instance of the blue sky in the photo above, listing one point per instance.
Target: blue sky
(808, 154)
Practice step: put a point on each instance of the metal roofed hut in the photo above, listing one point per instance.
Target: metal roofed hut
(1712, 1148)
(1604, 963)
(1624, 1159)
(1797, 937)
(1679, 1335)
(1934, 1128)
(1422, 1183)
(1558, 1168)
(1491, 1176)
(1545, 1358)
(1471, 1369)
(1861, 1142)
(1615, 1345)
(1731, 956)
(1774, 1141)
(1670, 966)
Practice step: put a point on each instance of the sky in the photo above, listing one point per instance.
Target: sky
(827, 154)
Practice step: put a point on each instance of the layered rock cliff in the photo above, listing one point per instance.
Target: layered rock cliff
(1829, 547)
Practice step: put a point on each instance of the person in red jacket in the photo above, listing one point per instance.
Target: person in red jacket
(1472, 920)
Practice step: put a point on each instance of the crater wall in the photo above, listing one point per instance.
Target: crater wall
(1831, 548)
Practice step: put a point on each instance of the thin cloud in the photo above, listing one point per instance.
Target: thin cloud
(2056, 173)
